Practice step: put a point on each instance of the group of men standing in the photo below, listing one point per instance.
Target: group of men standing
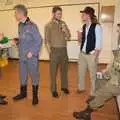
(56, 35)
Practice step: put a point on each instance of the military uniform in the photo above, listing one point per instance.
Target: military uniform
(110, 87)
(29, 41)
(57, 40)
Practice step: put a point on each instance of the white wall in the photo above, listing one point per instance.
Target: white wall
(30, 3)
(107, 43)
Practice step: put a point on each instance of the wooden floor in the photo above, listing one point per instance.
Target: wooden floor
(49, 108)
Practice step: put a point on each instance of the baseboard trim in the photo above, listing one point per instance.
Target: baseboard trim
(48, 61)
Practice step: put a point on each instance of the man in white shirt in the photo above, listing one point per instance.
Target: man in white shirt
(91, 45)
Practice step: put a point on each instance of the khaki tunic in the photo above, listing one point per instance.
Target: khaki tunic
(57, 41)
(54, 35)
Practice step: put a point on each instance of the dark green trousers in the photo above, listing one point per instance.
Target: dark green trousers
(58, 56)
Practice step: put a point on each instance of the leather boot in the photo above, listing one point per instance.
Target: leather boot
(83, 115)
(35, 95)
(22, 94)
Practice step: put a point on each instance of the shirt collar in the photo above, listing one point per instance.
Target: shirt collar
(26, 21)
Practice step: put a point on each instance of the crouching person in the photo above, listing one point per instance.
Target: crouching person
(112, 88)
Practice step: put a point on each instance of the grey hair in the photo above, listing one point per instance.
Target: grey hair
(22, 9)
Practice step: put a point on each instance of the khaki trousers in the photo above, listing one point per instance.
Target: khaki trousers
(87, 62)
(106, 92)
(58, 56)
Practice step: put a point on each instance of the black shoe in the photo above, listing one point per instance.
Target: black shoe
(83, 115)
(3, 102)
(55, 94)
(35, 95)
(2, 96)
(65, 91)
(80, 91)
(76, 115)
(22, 95)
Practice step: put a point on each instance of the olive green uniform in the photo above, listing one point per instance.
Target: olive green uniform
(111, 81)
(57, 40)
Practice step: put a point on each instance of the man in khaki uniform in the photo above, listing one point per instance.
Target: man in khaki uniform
(56, 36)
(107, 90)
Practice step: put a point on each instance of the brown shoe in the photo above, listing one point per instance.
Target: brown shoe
(2, 96)
(64, 92)
(83, 115)
(80, 91)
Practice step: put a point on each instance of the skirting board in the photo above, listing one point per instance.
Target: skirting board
(70, 60)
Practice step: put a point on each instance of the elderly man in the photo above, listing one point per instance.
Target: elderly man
(91, 45)
(29, 47)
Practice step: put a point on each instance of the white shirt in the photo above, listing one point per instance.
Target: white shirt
(99, 37)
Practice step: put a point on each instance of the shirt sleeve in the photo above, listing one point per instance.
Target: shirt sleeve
(37, 40)
(67, 34)
(99, 37)
(47, 34)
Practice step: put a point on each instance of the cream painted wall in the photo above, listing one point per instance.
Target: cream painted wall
(54, 2)
(107, 43)
(73, 20)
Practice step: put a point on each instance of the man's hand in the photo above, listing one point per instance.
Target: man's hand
(79, 35)
(64, 29)
(104, 71)
(29, 55)
(13, 42)
(97, 53)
